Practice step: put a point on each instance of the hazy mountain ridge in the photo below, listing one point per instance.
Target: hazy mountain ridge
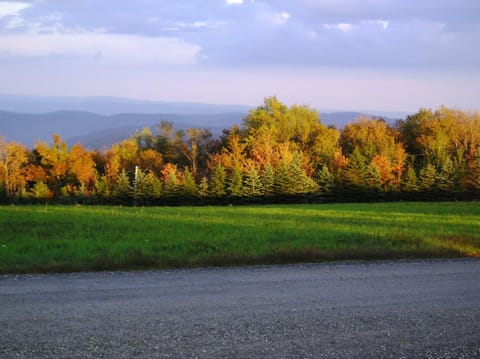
(87, 128)
(102, 121)
(104, 105)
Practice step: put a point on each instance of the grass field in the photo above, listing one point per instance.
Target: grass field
(80, 238)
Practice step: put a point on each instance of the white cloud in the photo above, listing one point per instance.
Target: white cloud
(15, 22)
(201, 24)
(344, 27)
(105, 48)
(383, 23)
(181, 25)
(12, 8)
(281, 18)
(234, 2)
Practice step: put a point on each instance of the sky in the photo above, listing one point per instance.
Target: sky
(384, 55)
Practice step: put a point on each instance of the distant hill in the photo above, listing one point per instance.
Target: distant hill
(103, 105)
(101, 131)
(88, 128)
(98, 122)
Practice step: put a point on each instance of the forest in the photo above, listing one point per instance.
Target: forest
(278, 153)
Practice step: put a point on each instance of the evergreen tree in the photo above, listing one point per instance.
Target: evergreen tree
(283, 183)
(445, 179)
(355, 172)
(123, 190)
(141, 188)
(171, 187)
(300, 182)
(373, 178)
(409, 182)
(253, 184)
(102, 187)
(428, 175)
(235, 182)
(40, 190)
(189, 187)
(325, 180)
(155, 185)
(203, 187)
(473, 173)
(267, 179)
(217, 182)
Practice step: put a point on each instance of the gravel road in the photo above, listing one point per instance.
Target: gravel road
(406, 309)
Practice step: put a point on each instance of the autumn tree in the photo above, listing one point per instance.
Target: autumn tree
(446, 137)
(150, 160)
(170, 143)
(81, 166)
(370, 137)
(471, 180)
(197, 148)
(13, 160)
(54, 159)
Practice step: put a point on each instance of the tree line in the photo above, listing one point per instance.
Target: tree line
(277, 153)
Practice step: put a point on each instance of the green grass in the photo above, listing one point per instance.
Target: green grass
(80, 238)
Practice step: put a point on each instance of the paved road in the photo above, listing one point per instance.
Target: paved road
(380, 309)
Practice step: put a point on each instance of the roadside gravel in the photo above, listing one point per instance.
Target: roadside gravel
(387, 309)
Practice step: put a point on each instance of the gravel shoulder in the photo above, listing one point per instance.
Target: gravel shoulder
(358, 309)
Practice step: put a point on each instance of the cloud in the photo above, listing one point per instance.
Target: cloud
(281, 18)
(234, 2)
(353, 11)
(262, 33)
(98, 47)
(383, 23)
(12, 8)
(341, 27)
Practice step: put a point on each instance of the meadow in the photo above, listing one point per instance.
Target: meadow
(46, 238)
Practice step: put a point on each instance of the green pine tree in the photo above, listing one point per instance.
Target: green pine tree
(472, 176)
(189, 187)
(123, 190)
(325, 180)
(253, 183)
(235, 182)
(217, 182)
(171, 187)
(141, 189)
(283, 181)
(102, 187)
(155, 185)
(203, 187)
(267, 178)
(446, 178)
(39, 190)
(427, 178)
(409, 180)
(373, 178)
(354, 175)
(300, 182)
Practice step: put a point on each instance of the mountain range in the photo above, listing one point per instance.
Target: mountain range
(98, 122)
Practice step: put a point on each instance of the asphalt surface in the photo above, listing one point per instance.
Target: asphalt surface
(407, 309)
